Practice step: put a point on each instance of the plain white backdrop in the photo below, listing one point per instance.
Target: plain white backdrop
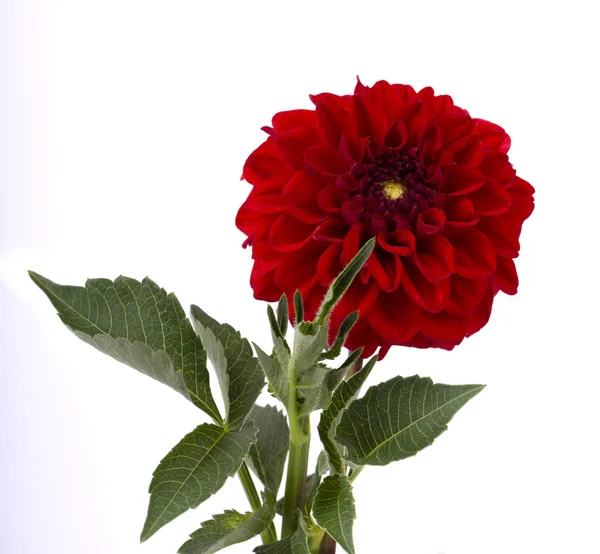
(124, 127)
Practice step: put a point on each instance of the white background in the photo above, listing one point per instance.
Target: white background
(124, 128)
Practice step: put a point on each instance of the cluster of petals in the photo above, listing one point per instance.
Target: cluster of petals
(431, 183)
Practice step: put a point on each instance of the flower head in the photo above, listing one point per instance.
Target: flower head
(431, 183)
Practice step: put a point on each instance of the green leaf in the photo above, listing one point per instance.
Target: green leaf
(278, 379)
(194, 470)
(398, 418)
(283, 315)
(334, 511)
(268, 454)
(295, 544)
(343, 395)
(345, 328)
(140, 325)
(343, 281)
(228, 529)
(238, 371)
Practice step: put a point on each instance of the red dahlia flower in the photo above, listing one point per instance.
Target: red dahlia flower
(432, 183)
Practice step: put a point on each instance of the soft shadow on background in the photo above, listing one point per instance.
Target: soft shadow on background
(124, 128)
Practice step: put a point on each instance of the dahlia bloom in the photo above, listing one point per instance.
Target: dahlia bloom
(431, 183)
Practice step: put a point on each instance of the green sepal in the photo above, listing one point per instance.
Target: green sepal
(398, 418)
(194, 470)
(138, 324)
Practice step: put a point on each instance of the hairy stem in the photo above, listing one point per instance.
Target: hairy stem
(269, 535)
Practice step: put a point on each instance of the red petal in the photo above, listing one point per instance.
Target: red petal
(289, 233)
(493, 136)
(401, 242)
(333, 121)
(465, 294)
(506, 277)
(395, 317)
(431, 298)
(496, 166)
(284, 121)
(461, 179)
(371, 120)
(460, 212)
(301, 193)
(471, 155)
(490, 199)
(298, 269)
(363, 335)
(475, 321)
(521, 193)
(326, 160)
(455, 126)
(265, 203)
(390, 98)
(262, 281)
(293, 143)
(503, 232)
(264, 164)
(397, 135)
(332, 198)
(405, 92)
(332, 230)
(474, 254)
(429, 222)
(386, 269)
(444, 330)
(435, 258)
(330, 266)
(353, 242)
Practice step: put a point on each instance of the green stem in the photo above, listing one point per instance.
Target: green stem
(269, 535)
(295, 485)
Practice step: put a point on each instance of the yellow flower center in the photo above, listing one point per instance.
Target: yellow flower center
(393, 189)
